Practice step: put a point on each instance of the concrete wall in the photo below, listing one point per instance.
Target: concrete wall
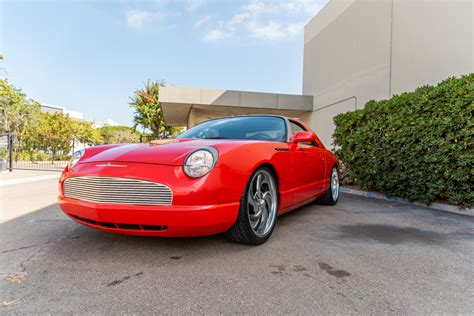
(358, 50)
(189, 106)
(432, 40)
(51, 109)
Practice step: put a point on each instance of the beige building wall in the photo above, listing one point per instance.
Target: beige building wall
(359, 50)
(432, 40)
(191, 106)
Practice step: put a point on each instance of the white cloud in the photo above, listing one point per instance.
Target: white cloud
(304, 6)
(294, 28)
(139, 19)
(192, 5)
(216, 35)
(270, 20)
(136, 19)
(266, 19)
(202, 20)
(271, 31)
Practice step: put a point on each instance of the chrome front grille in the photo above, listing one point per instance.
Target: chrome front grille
(111, 190)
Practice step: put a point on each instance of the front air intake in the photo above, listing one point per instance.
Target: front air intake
(112, 190)
(119, 226)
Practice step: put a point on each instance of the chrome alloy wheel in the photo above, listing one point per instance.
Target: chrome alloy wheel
(262, 203)
(335, 184)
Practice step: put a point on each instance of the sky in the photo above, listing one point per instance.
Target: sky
(90, 56)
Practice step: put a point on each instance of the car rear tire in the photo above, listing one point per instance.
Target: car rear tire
(332, 194)
(258, 210)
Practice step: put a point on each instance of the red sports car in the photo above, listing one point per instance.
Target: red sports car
(231, 175)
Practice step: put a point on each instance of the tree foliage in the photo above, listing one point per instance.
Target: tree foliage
(57, 134)
(40, 134)
(417, 145)
(16, 111)
(148, 112)
(119, 135)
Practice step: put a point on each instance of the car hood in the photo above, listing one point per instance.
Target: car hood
(171, 153)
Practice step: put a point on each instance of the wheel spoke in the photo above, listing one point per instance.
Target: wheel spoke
(254, 220)
(252, 190)
(262, 203)
(264, 181)
(251, 200)
(256, 214)
(268, 199)
(259, 183)
(263, 220)
(335, 184)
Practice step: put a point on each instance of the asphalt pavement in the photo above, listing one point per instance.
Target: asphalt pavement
(362, 256)
(22, 192)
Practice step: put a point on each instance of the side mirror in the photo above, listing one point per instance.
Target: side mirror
(303, 137)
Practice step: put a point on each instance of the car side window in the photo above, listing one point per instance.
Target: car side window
(295, 128)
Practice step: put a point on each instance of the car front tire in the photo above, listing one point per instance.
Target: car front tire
(258, 210)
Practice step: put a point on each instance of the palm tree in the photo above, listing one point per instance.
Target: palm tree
(148, 113)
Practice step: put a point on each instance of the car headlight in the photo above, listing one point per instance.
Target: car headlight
(200, 162)
(75, 157)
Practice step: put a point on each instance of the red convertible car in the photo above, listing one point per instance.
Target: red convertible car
(231, 175)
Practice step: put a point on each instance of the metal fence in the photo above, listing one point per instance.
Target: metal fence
(40, 153)
(36, 152)
(147, 138)
(4, 149)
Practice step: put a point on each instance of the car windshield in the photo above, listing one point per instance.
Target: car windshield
(269, 128)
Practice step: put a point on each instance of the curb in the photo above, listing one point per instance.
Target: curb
(434, 206)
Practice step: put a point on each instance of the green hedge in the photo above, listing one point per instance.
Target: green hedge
(417, 145)
(30, 156)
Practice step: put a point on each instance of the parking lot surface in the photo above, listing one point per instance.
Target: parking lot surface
(22, 192)
(361, 256)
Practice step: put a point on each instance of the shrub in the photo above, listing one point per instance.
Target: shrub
(39, 156)
(3, 153)
(30, 156)
(62, 157)
(417, 145)
(22, 156)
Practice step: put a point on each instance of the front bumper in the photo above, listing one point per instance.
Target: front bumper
(166, 221)
(202, 206)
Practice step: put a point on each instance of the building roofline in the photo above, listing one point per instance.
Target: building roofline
(316, 15)
(178, 103)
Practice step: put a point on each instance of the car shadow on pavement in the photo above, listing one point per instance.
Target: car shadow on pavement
(48, 240)
(50, 227)
(51, 264)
